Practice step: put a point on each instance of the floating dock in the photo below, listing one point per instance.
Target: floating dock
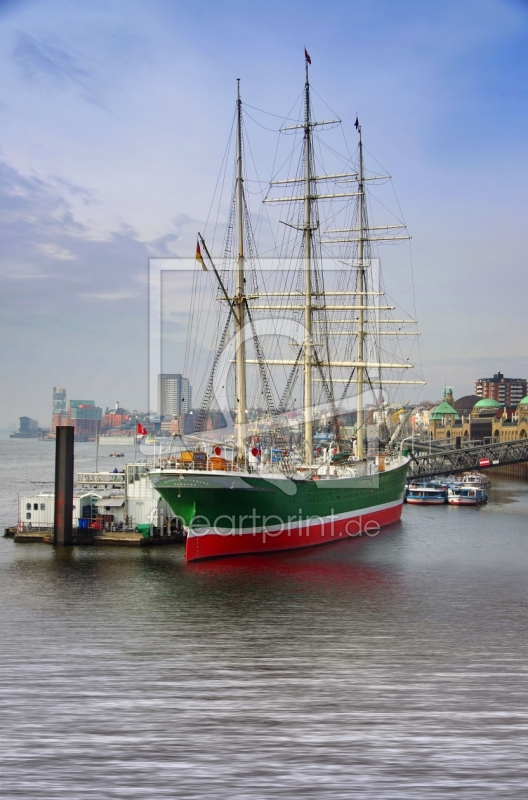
(81, 536)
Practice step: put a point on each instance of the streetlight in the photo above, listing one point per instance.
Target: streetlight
(406, 440)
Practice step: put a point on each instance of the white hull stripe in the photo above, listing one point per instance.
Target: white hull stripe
(292, 525)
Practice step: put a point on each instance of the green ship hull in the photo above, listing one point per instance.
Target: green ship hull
(227, 513)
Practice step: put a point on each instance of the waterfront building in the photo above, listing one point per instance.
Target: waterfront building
(115, 418)
(419, 419)
(507, 391)
(86, 418)
(465, 405)
(117, 500)
(489, 420)
(481, 418)
(214, 420)
(184, 424)
(58, 420)
(38, 511)
(27, 429)
(168, 426)
(443, 413)
(28, 426)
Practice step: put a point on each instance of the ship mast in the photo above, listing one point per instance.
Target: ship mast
(361, 236)
(360, 375)
(308, 423)
(240, 357)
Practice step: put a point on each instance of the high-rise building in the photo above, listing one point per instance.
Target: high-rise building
(186, 396)
(174, 395)
(59, 400)
(507, 391)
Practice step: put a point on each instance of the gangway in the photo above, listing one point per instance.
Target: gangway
(476, 457)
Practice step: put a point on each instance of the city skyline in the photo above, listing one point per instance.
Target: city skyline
(176, 389)
(114, 126)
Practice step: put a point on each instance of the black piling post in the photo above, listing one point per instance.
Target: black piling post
(63, 525)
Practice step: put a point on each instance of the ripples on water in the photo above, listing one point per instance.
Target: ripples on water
(392, 667)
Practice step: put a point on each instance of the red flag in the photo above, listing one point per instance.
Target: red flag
(307, 57)
(141, 430)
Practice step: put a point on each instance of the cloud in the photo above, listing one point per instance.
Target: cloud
(49, 258)
(162, 246)
(86, 195)
(36, 222)
(53, 251)
(43, 58)
(38, 226)
(47, 62)
(18, 275)
(112, 297)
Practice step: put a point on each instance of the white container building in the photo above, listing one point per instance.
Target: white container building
(128, 496)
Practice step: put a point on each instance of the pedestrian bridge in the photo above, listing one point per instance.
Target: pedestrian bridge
(470, 457)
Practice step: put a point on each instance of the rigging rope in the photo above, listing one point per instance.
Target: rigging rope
(208, 394)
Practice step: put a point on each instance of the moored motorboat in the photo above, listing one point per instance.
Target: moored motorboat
(426, 494)
(466, 496)
(476, 479)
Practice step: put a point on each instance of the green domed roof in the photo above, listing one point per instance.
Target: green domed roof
(524, 401)
(488, 402)
(442, 410)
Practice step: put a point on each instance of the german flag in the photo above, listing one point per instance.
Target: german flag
(199, 257)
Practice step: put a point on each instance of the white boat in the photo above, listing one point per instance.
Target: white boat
(476, 479)
(466, 496)
(426, 494)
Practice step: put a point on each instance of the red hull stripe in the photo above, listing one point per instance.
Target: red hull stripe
(433, 501)
(213, 545)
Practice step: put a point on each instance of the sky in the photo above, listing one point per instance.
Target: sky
(114, 118)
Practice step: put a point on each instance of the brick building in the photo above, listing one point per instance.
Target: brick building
(58, 420)
(86, 418)
(115, 418)
(506, 391)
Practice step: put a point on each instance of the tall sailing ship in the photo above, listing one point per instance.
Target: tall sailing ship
(315, 321)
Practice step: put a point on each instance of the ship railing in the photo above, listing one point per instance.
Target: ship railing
(211, 464)
(101, 478)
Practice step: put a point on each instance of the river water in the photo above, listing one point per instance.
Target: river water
(393, 667)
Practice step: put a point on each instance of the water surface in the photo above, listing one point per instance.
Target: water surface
(392, 667)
